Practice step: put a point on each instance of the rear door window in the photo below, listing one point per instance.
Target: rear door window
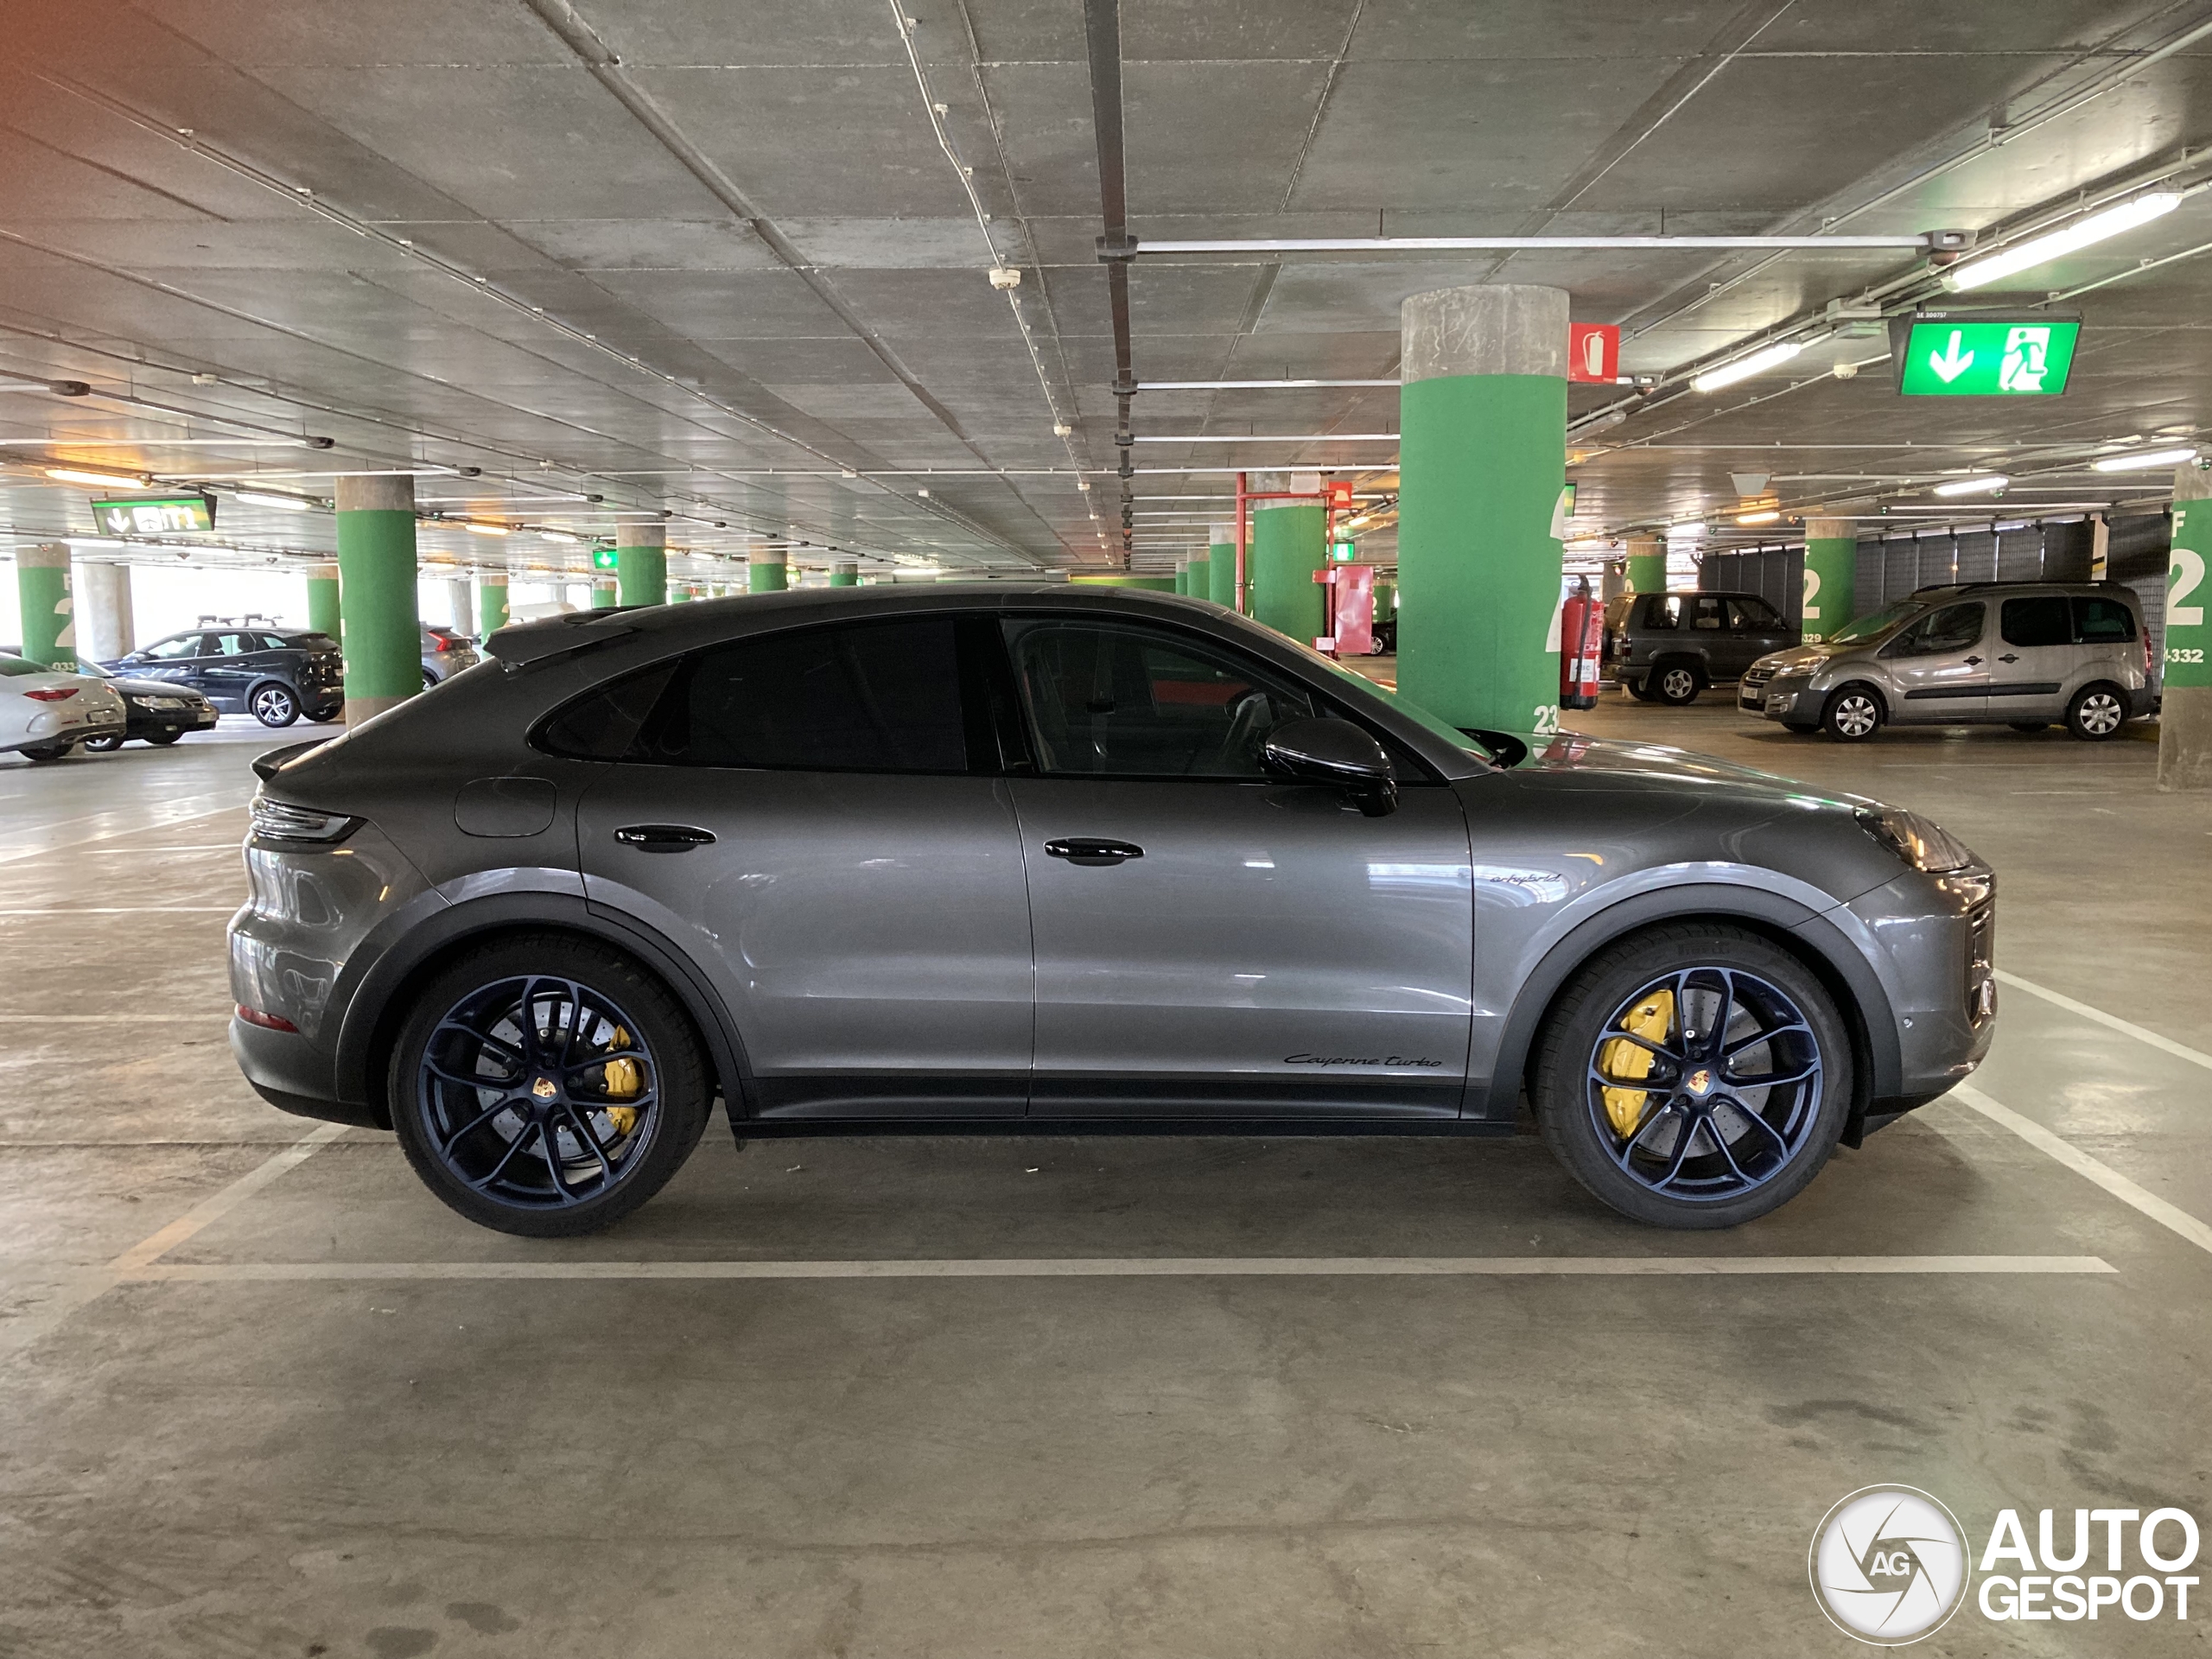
(1708, 615)
(2098, 620)
(2038, 619)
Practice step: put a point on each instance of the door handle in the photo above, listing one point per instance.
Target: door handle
(1973, 662)
(1091, 851)
(2008, 658)
(663, 837)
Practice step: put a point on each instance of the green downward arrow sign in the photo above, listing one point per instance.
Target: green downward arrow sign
(1950, 365)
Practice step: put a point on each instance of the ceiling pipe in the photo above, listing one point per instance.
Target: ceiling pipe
(1148, 247)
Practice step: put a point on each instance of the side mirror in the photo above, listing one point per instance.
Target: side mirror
(1333, 752)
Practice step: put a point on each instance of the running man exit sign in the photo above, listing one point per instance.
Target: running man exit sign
(1975, 355)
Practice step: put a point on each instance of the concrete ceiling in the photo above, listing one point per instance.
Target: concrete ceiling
(729, 259)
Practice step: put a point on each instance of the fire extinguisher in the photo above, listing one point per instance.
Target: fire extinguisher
(1581, 641)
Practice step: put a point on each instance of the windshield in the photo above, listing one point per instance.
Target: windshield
(1868, 627)
(92, 669)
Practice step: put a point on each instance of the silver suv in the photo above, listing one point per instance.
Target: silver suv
(2018, 654)
(1023, 858)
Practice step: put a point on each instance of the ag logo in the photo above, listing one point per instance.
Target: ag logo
(1888, 1565)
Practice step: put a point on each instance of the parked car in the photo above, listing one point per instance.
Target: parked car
(46, 712)
(445, 654)
(1001, 856)
(276, 675)
(1669, 647)
(159, 713)
(2018, 654)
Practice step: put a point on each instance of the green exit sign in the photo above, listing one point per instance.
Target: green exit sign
(153, 515)
(604, 558)
(1343, 552)
(1977, 355)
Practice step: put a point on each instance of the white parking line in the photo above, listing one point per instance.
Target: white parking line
(1139, 1267)
(124, 909)
(70, 833)
(2169, 1216)
(132, 1018)
(2180, 1051)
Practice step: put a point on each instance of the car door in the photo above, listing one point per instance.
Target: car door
(176, 660)
(1938, 668)
(814, 817)
(1209, 942)
(1756, 629)
(222, 670)
(2034, 657)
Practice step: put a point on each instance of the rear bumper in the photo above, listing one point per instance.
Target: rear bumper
(291, 1074)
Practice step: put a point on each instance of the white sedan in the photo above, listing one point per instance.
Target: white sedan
(46, 712)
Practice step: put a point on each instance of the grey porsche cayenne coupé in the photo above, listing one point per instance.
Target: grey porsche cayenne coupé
(1026, 857)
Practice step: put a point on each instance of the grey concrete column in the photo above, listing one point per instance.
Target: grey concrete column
(106, 627)
(464, 604)
(1614, 582)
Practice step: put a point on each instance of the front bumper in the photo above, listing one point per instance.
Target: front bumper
(1790, 700)
(1936, 935)
(147, 722)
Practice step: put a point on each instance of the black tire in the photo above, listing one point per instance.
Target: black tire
(162, 740)
(1853, 714)
(1799, 728)
(1675, 685)
(45, 752)
(273, 704)
(429, 679)
(1640, 689)
(1577, 1114)
(2029, 727)
(2097, 712)
(103, 745)
(486, 991)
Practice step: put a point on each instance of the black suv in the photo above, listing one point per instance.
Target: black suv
(1669, 647)
(246, 665)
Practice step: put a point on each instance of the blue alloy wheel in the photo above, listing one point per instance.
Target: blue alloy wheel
(538, 1092)
(1706, 1084)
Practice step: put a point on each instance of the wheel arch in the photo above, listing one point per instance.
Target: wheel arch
(380, 1003)
(1818, 943)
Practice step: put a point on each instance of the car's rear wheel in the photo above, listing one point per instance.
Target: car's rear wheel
(273, 705)
(1853, 714)
(1697, 1075)
(163, 739)
(44, 753)
(1675, 683)
(547, 1086)
(107, 745)
(2097, 712)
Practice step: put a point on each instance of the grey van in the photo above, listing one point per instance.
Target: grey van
(1669, 647)
(2018, 654)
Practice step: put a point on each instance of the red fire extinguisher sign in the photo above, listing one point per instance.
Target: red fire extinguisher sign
(1593, 352)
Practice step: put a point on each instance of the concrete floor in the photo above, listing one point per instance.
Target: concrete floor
(209, 1454)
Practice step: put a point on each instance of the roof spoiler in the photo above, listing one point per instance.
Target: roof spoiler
(558, 636)
(267, 766)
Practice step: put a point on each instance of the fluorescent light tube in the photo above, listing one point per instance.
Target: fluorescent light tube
(475, 529)
(270, 499)
(103, 481)
(2148, 458)
(1744, 367)
(1974, 485)
(1766, 516)
(560, 535)
(2041, 250)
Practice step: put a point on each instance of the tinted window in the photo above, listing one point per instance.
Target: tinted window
(1954, 628)
(2099, 620)
(232, 644)
(1117, 700)
(874, 697)
(185, 644)
(2039, 620)
(601, 725)
(1754, 614)
(1660, 611)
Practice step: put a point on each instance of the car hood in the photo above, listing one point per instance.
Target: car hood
(1810, 656)
(153, 688)
(1604, 759)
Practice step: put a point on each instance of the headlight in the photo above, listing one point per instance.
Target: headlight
(1923, 845)
(281, 820)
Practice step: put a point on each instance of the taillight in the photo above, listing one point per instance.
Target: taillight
(266, 1021)
(445, 644)
(54, 693)
(2150, 662)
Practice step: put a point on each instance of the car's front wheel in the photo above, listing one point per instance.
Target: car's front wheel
(274, 705)
(1695, 1075)
(547, 1086)
(1853, 714)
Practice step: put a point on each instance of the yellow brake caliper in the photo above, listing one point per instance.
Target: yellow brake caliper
(621, 1078)
(1627, 1061)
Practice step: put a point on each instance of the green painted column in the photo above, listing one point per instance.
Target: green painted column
(1221, 566)
(323, 616)
(765, 571)
(1831, 575)
(2185, 717)
(1289, 545)
(1386, 595)
(1197, 578)
(491, 603)
(1646, 565)
(1482, 460)
(641, 558)
(1152, 584)
(380, 626)
(606, 593)
(846, 573)
(49, 620)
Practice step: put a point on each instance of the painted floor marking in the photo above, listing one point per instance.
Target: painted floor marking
(70, 833)
(110, 1018)
(1087, 1267)
(2180, 1051)
(124, 909)
(2170, 1216)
